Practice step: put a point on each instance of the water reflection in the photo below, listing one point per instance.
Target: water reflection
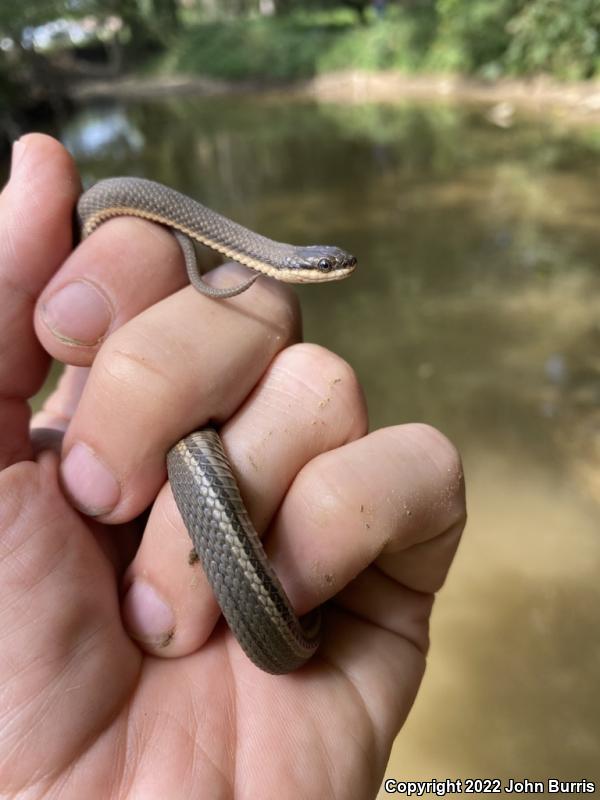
(475, 309)
(98, 133)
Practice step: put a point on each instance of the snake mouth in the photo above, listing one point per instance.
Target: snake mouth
(311, 277)
(308, 275)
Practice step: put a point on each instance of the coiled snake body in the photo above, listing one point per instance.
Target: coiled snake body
(250, 596)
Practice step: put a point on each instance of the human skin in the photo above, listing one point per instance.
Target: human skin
(117, 677)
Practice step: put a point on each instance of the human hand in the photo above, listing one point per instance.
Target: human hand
(118, 679)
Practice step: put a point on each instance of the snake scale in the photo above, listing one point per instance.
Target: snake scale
(246, 587)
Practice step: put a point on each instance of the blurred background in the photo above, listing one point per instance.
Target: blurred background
(454, 147)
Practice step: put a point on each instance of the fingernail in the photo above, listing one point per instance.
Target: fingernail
(90, 484)
(78, 314)
(18, 149)
(147, 616)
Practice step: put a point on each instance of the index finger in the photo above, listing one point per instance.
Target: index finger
(183, 362)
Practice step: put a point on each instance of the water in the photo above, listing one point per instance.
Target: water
(475, 309)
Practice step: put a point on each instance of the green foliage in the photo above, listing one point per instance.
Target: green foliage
(393, 44)
(230, 39)
(300, 45)
(555, 37)
(158, 16)
(14, 16)
(472, 33)
(488, 37)
(252, 48)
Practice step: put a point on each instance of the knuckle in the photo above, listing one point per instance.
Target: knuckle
(445, 457)
(287, 316)
(446, 452)
(325, 496)
(14, 481)
(329, 377)
(126, 366)
(275, 303)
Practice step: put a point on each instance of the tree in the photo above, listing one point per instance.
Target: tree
(360, 6)
(23, 66)
(549, 36)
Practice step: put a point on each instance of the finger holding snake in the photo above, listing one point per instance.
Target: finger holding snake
(126, 267)
(86, 300)
(249, 593)
(81, 698)
(153, 381)
(307, 402)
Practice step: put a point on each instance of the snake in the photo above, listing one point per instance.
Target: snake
(246, 587)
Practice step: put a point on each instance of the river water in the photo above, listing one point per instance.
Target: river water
(476, 308)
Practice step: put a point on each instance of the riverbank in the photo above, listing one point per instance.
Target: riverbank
(579, 101)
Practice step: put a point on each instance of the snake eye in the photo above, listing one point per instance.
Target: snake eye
(325, 265)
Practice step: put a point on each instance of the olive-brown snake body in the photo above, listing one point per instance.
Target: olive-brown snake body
(250, 596)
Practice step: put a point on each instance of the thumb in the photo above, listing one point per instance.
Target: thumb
(35, 237)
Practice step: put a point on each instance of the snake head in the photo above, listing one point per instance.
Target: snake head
(323, 262)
